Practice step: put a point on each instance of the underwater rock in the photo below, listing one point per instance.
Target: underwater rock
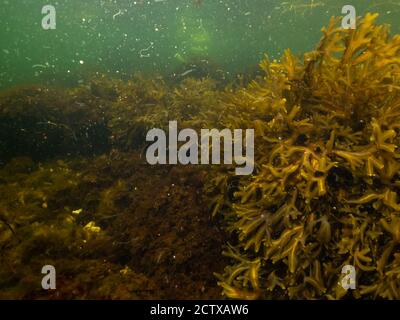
(42, 123)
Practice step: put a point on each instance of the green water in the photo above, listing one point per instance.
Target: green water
(122, 37)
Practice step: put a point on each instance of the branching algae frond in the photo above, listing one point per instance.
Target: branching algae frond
(325, 191)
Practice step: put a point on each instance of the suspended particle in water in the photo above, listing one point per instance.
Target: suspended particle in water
(144, 52)
(117, 14)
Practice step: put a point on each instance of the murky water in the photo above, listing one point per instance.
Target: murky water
(120, 37)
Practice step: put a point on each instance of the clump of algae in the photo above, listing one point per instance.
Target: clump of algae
(325, 191)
